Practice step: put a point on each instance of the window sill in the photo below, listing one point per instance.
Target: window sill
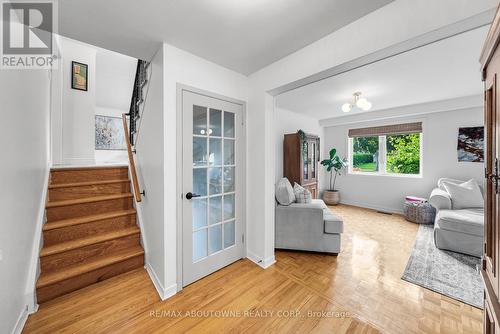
(409, 176)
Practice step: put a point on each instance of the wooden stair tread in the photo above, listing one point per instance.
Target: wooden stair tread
(79, 269)
(77, 168)
(87, 200)
(89, 183)
(86, 219)
(78, 243)
(91, 233)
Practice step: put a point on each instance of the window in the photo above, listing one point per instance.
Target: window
(365, 154)
(389, 150)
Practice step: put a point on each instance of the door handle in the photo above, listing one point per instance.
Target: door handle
(494, 176)
(190, 195)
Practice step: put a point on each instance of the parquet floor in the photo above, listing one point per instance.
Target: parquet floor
(360, 291)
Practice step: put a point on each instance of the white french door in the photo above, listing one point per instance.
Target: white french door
(212, 231)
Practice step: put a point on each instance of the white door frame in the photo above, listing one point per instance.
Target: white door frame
(181, 88)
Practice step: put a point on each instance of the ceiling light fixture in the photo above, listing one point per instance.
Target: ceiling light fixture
(358, 102)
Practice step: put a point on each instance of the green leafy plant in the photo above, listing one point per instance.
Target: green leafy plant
(403, 154)
(303, 141)
(362, 158)
(334, 164)
(368, 145)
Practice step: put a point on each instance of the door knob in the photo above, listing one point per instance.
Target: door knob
(190, 195)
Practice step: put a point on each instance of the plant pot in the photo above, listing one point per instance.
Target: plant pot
(331, 197)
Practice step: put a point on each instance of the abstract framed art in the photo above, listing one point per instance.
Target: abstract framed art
(470, 146)
(109, 134)
(79, 76)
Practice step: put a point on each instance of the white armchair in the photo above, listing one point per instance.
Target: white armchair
(458, 230)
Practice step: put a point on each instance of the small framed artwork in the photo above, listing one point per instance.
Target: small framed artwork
(79, 76)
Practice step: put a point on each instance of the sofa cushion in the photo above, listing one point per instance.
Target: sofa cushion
(465, 195)
(284, 192)
(333, 223)
(315, 203)
(470, 221)
(302, 195)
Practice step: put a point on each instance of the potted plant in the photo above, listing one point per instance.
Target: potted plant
(333, 164)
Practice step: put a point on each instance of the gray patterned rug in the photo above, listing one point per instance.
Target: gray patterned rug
(448, 273)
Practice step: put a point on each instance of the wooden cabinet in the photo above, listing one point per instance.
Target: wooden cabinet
(491, 234)
(301, 161)
(490, 61)
(490, 325)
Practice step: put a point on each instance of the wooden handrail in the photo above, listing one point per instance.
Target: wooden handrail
(131, 161)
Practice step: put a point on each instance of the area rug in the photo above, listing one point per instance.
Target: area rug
(451, 274)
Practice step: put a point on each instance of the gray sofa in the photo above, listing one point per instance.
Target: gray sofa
(459, 231)
(308, 227)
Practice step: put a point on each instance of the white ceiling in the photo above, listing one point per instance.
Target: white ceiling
(243, 35)
(443, 70)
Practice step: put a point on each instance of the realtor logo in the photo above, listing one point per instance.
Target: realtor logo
(27, 34)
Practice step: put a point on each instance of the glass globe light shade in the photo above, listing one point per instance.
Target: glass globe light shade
(361, 103)
(367, 106)
(346, 107)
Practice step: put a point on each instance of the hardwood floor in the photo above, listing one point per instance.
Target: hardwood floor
(361, 289)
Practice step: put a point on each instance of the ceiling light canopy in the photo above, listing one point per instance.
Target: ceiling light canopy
(358, 102)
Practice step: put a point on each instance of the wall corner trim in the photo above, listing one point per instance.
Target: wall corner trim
(21, 321)
(164, 293)
(30, 291)
(263, 263)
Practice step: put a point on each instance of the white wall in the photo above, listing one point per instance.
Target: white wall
(440, 132)
(290, 122)
(25, 136)
(394, 23)
(182, 67)
(78, 107)
(150, 167)
(110, 82)
(115, 75)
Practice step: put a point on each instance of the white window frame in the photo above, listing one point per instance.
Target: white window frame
(382, 158)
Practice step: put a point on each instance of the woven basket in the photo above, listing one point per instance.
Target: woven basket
(420, 213)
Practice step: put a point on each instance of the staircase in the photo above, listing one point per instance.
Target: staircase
(138, 97)
(91, 232)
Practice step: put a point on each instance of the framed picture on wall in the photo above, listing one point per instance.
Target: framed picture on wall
(471, 144)
(109, 133)
(79, 76)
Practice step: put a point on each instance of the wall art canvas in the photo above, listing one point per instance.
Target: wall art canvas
(471, 144)
(109, 134)
(79, 76)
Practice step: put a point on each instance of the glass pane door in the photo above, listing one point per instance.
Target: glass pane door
(313, 159)
(305, 160)
(214, 168)
(212, 178)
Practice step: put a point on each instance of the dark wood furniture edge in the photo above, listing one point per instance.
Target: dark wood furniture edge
(489, 292)
(492, 40)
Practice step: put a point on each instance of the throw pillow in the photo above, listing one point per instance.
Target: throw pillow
(465, 195)
(444, 180)
(284, 192)
(302, 195)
